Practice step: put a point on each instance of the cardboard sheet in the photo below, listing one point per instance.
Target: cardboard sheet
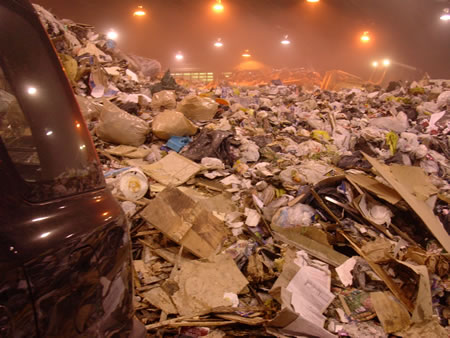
(203, 285)
(185, 222)
(293, 236)
(402, 180)
(160, 299)
(379, 189)
(423, 309)
(392, 314)
(173, 170)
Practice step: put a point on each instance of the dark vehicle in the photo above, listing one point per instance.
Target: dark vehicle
(65, 257)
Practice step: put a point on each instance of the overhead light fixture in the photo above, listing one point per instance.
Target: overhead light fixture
(112, 35)
(246, 54)
(179, 56)
(218, 7)
(445, 14)
(386, 62)
(375, 64)
(285, 41)
(365, 38)
(312, 0)
(218, 43)
(32, 90)
(140, 11)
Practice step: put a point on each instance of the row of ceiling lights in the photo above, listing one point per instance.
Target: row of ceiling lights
(112, 35)
(218, 7)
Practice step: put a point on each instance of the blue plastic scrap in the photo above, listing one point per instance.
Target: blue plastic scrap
(177, 143)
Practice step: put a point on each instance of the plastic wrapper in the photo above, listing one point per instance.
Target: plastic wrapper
(198, 108)
(397, 123)
(172, 123)
(298, 215)
(211, 144)
(309, 172)
(163, 100)
(249, 151)
(117, 126)
(148, 67)
(443, 99)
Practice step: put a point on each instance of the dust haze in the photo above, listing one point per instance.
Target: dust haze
(323, 36)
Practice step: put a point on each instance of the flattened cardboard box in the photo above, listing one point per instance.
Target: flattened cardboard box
(185, 222)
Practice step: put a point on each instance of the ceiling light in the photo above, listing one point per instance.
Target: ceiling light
(112, 35)
(445, 14)
(285, 41)
(218, 7)
(139, 11)
(246, 54)
(179, 56)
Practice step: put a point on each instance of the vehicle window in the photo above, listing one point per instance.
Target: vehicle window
(16, 134)
(40, 124)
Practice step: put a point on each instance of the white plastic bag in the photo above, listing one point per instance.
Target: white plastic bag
(397, 123)
(296, 216)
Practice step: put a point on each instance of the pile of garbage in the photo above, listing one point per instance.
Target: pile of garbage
(278, 211)
(275, 211)
(297, 76)
(98, 69)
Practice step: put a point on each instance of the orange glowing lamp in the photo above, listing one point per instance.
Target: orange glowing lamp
(312, 1)
(218, 7)
(246, 54)
(365, 38)
(139, 11)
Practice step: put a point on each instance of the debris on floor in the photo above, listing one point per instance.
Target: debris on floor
(276, 210)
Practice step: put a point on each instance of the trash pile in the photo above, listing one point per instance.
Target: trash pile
(298, 76)
(97, 68)
(278, 211)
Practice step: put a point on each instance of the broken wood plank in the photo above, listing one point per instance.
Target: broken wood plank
(242, 320)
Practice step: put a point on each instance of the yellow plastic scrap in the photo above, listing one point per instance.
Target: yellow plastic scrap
(236, 91)
(280, 192)
(320, 135)
(70, 65)
(240, 167)
(417, 90)
(392, 140)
